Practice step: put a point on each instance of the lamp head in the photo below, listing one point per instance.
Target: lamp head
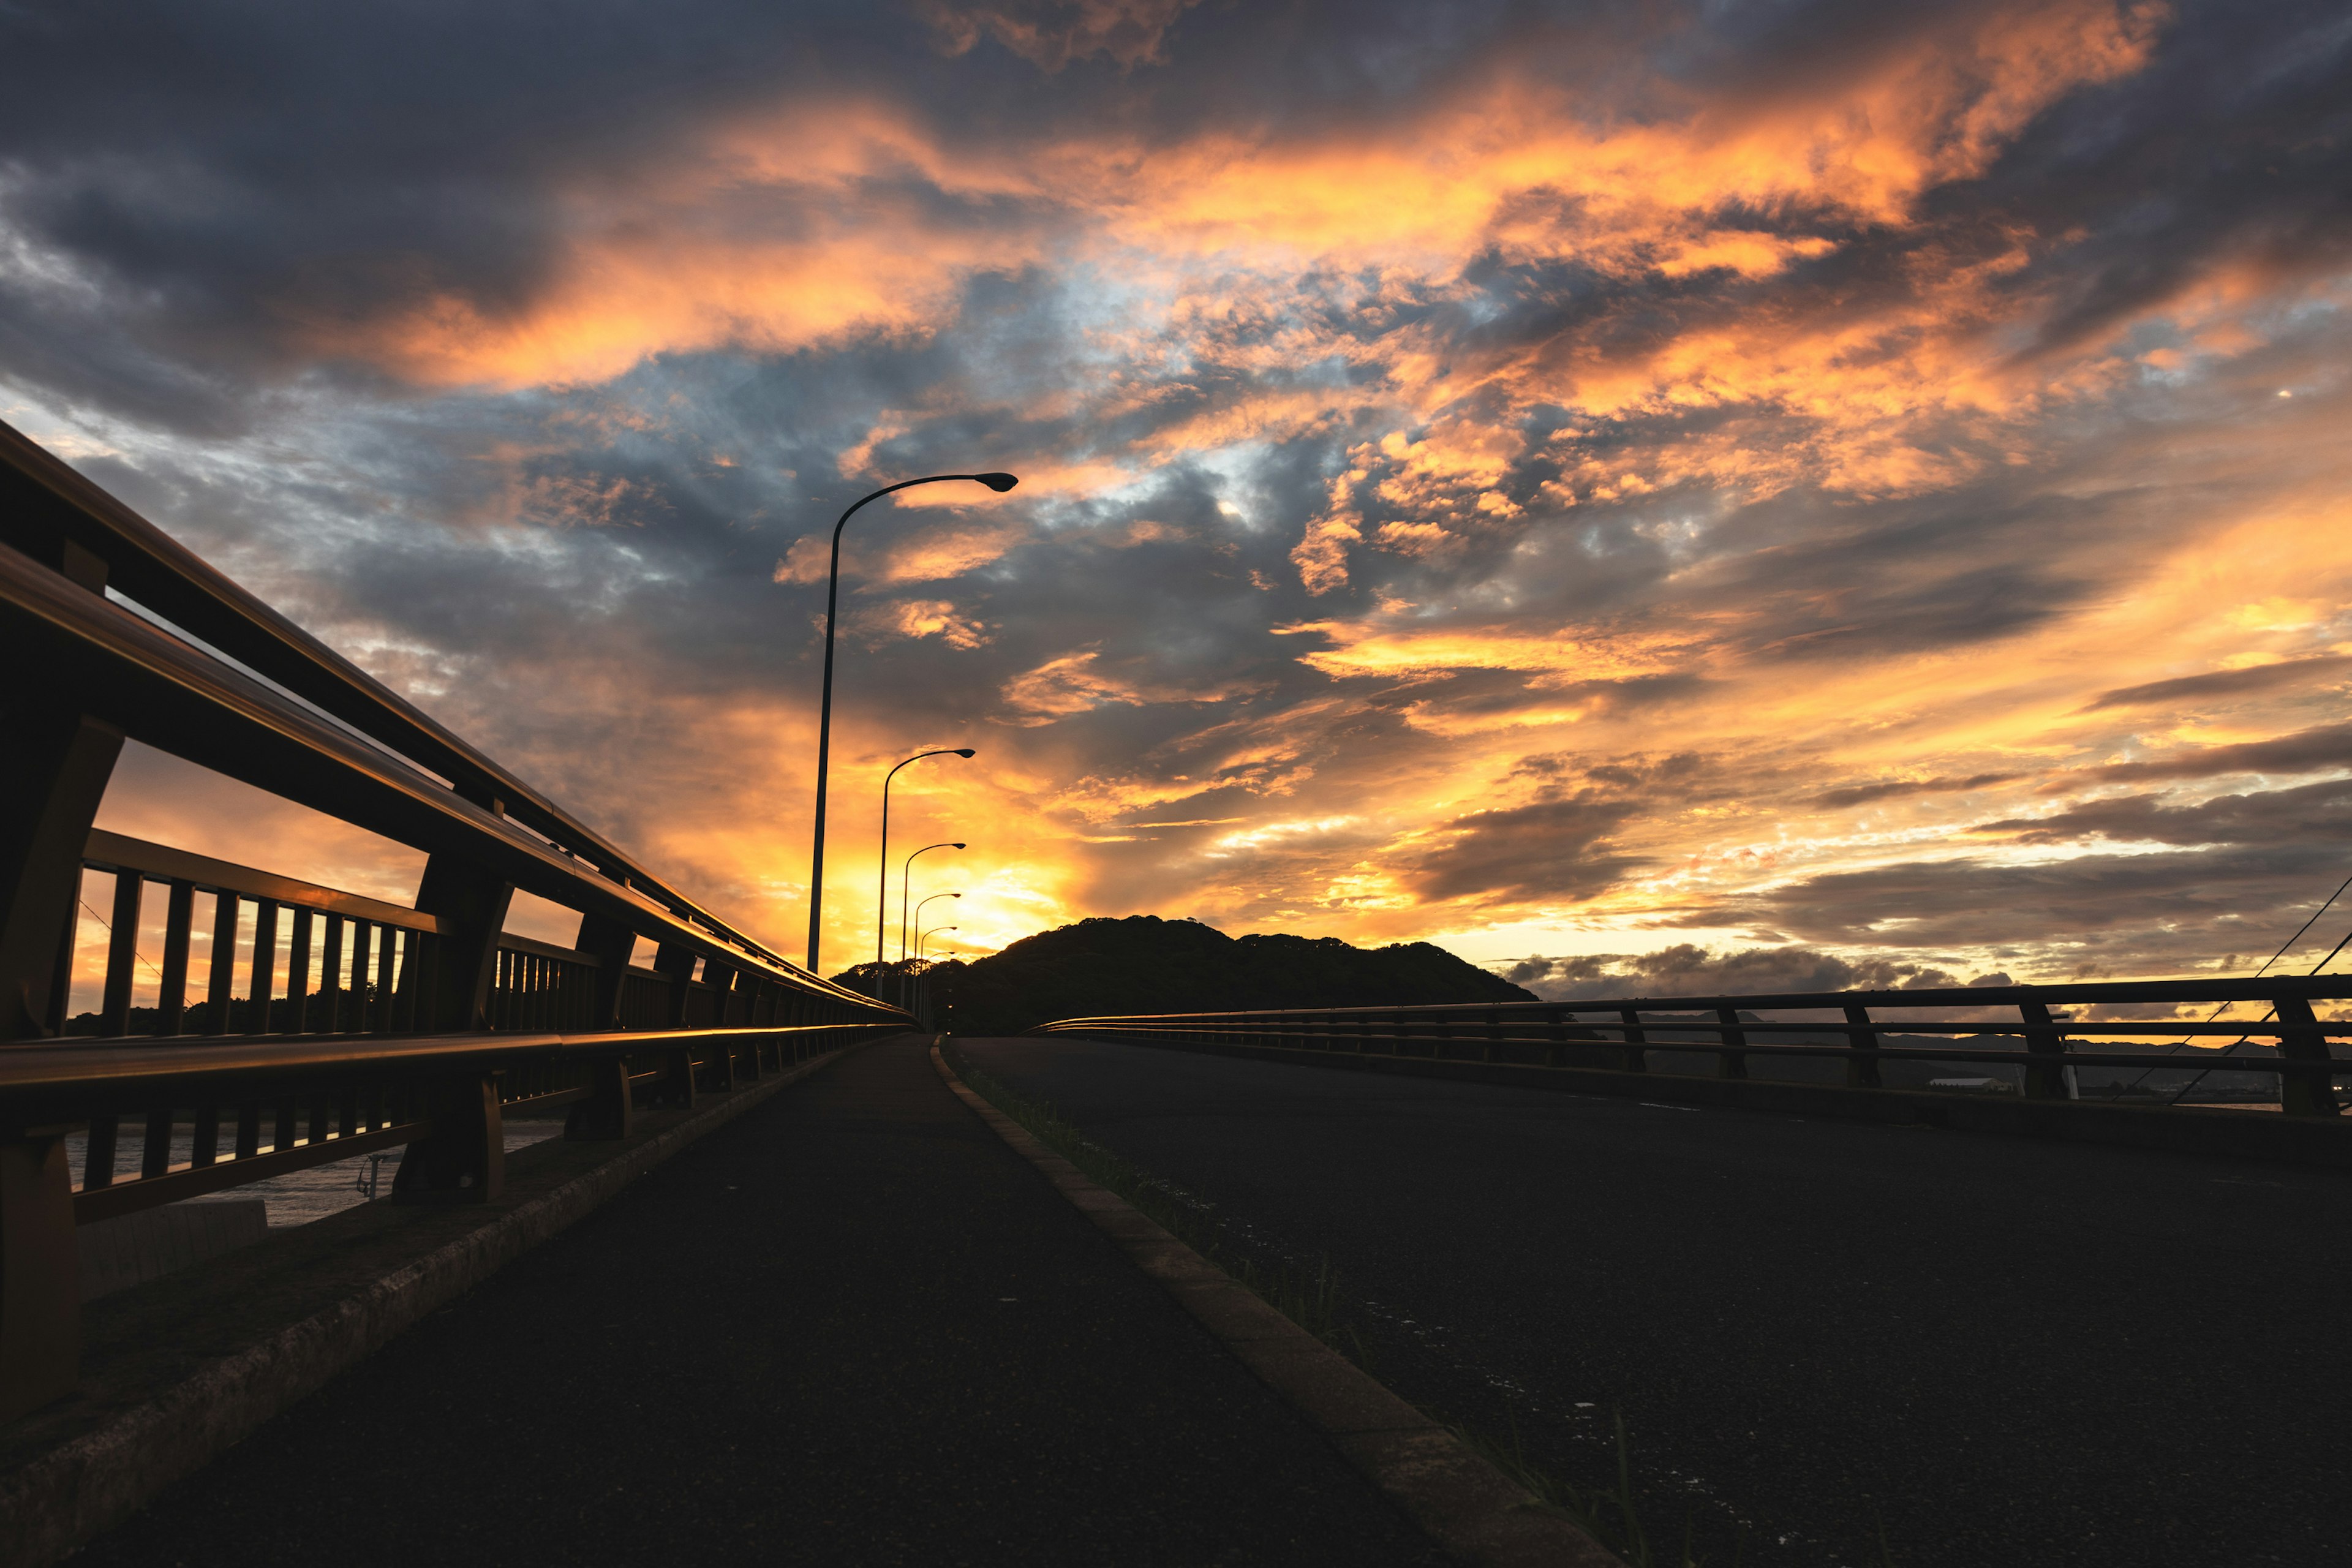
(965, 752)
(955, 895)
(1000, 483)
(955, 846)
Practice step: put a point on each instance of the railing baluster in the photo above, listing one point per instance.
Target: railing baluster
(248, 1129)
(330, 977)
(362, 932)
(155, 1153)
(98, 1156)
(179, 928)
(222, 979)
(298, 975)
(203, 1142)
(386, 952)
(121, 957)
(263, 987)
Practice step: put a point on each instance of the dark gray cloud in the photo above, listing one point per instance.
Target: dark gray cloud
(2305, 751)
(2189, 689)
(1688, 970)
(2315, 816)
(1554, 849)
(1860, 795)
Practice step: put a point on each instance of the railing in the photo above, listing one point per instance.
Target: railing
(1736, 1038)
(274, 1024)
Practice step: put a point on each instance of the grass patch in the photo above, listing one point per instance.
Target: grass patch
(1308, 1295)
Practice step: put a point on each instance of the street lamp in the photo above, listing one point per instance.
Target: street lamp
(918, 910)
(928, 935)
(1000, 483)
(905, 873)
(882, 876)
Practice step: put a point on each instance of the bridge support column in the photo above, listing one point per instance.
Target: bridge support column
(461, 1158)
(40, 1288)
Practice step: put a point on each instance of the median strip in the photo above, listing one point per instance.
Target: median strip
(1470, 1508)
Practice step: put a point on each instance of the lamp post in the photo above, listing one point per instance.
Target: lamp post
(1000, 483)
(905, 874)
(882, 876)
(919, 910)
(927, 936)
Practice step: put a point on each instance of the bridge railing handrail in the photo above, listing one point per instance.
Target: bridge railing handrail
(2300, 1056)
(44, 502)
(393, 1024)
(172, 695)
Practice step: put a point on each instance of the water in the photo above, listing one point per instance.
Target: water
(299, 1196)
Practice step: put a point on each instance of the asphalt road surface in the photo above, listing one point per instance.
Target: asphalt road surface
(1830, 1343)
(851, 1327)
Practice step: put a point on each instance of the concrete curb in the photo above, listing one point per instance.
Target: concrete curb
(81, 1489)
(1472, 1510)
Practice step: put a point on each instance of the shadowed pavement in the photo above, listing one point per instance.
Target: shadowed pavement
(2011, 1351)
(850, 1327)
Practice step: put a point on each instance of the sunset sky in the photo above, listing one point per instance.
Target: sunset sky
(1647, 495)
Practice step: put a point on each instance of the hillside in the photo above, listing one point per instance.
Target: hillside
(1145, 964)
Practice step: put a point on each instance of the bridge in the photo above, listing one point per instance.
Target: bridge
(707, 1254)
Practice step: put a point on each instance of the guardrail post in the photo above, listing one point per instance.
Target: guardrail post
(1636, 1058)
(1732, 1060)
(607, 1112)
(676, 963)
(472, 905)
(1555, 1026)
(611, 943)
(462, 1156)
(2043, 1080)
(40, 1288)
(1861, 1071)
(55, 760)
(1494, 1032)
(2303, 1094)
(677, 1078)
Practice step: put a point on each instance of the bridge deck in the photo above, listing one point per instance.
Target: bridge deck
(850, 1328)
(2011, 1351)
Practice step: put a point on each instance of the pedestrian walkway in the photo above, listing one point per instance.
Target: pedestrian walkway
(851, 1327)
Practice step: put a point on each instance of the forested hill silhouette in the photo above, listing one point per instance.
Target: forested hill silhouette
(1145, 964)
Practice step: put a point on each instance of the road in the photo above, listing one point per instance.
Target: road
(1993, 1350)
(850, 1327)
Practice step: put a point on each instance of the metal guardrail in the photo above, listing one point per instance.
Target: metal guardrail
(323, 1024)
(1622, 1036)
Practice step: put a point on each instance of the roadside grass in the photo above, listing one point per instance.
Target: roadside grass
(1308, 1295)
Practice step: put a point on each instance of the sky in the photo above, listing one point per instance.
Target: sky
(1651, 497)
